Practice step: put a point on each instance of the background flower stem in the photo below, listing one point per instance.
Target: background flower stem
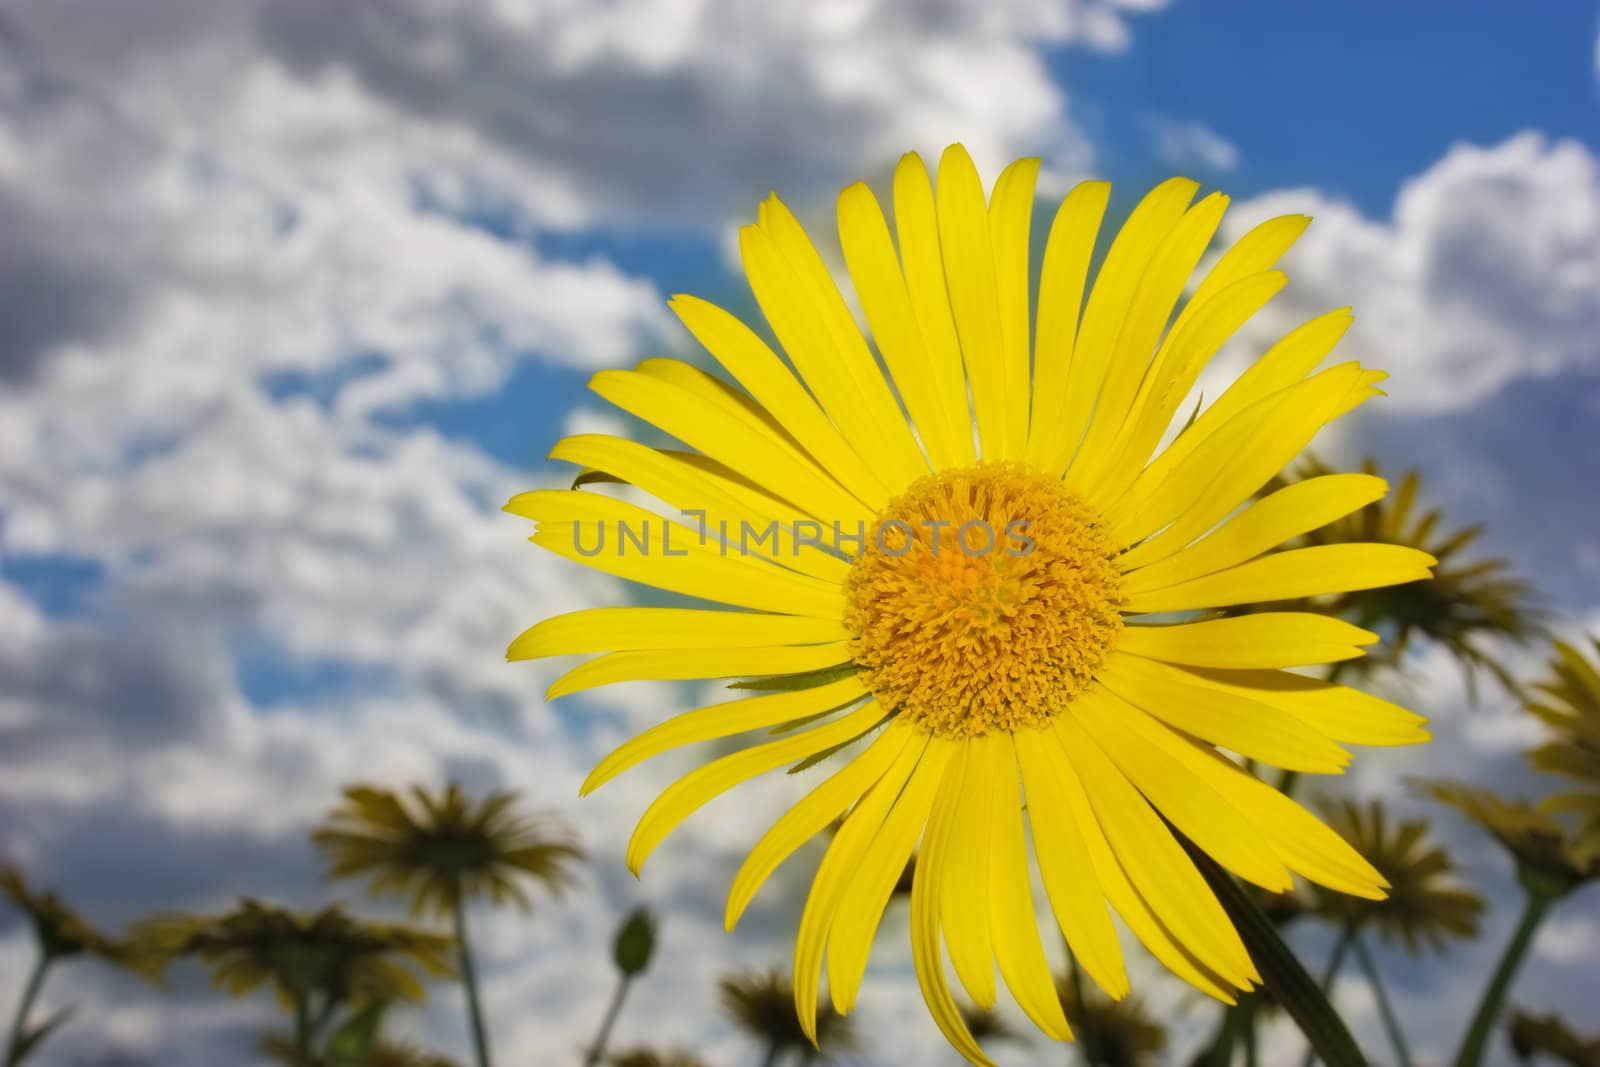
(469, 981)
(30, 993)
(1391, 1021)
(1477, 1039)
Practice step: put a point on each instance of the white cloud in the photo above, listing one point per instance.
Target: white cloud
(1186, 143)
(1488, 271)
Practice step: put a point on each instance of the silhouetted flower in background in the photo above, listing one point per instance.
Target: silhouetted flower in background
(762, 1005)
(1569, 703)
(443, 850)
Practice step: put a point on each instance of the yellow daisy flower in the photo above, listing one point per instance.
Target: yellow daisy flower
(964, 564)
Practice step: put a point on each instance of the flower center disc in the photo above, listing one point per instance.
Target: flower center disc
(984, 599)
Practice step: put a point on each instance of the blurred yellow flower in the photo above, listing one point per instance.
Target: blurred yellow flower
(1570, 704)
(985, 595)
(1426, 904)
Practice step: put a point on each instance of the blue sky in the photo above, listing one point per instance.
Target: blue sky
(291, 303)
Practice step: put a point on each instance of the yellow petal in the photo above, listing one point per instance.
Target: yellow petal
(691, 792)
(630, 629)
(629, 542)
(1289, 512)
(1285, 363)
(933, 867)
(917, 226)
(1296, 836)
(1149, 309)
(1015, 928)
(1182, 796)
(1224, 717)
(1124, 898)
(756, 367)
(1065, 866)
(699, 422)
(968, 254)
(1266, 639)
(1010, 228)
(816, 329)
(1223, 471)
(844, 856)
(869, 254)
(724, 720)
(1336, 711)
(1061, 281)
(860, 906)
(812, 814)
(1113, 293)
(1251, 254)
(1296, 572)
(964, 902)
(708, 498)
(1155, 862)
(1182, 356)
(679, 664)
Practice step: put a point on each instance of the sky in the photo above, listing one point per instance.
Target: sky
(293, 296)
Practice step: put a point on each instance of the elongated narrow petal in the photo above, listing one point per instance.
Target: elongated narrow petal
(724, 720)
(1017, 948)
(630, 629)
(1268, 639)
(1297, 572)
(814, 812)
(861, 905)
(678, 664)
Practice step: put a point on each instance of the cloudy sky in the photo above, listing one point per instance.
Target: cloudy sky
(293, 295)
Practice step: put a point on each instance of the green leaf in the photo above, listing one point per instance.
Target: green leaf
(789, 683)
(590, 476)
(816, 758)
(31, 1040)
(1280, 970)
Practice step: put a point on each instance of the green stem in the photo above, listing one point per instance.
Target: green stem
(1391, 1022)
(598, 1049)
(1347, 933)
(469, 981)
(772, 1054)
(302, 1031)
(1221, 1053)
(1251, 1052)
(1088, 1046)
(1477, 1039)
(30, 993)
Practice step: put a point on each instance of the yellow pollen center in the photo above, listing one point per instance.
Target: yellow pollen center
(985, 598)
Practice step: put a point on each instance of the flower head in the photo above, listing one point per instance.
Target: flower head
(979, 580)
(1569, 702)
(1426, 904)
(1125, 1034)
(761, 1003)
(440, 848)
(326, 953)
(62, 932)
(1549, 858)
